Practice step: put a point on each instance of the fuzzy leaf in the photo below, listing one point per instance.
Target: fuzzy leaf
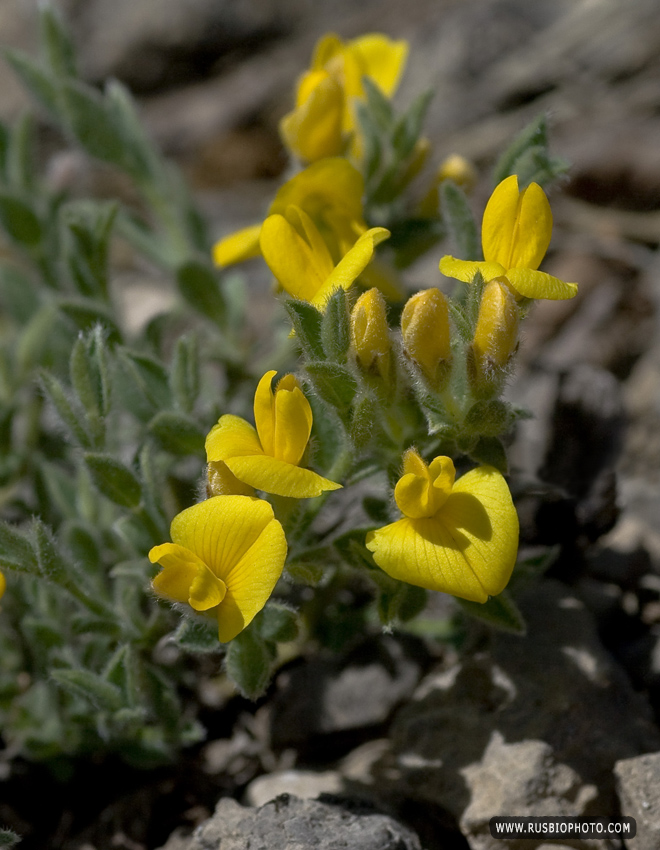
(114, 480)
(100, 693)
(336, 327)
(56, 41)
(177, 433)
(535, 134)
(490, 418)
(501, 612)
(67, 409)
(306, 322)
(335, 384)
(198, 636)
(199, 286)
(278, 623)
(490, 450)
(52, 564)
(248, 663)
(184, 376)
(460, 221)
(37, 81)
(91, 123)
(16, 551)
(19, 220)
(409, 126)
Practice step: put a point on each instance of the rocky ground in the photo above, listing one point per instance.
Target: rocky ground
(400, 743)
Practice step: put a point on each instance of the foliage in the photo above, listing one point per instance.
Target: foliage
(103, 427)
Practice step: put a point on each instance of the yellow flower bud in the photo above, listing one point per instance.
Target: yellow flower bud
(458, 169)
(370, 333)
(495, 336)
(454, 167)
(426, 334)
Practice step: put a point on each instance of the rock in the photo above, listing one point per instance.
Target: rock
(638, 786)
(524, 778)
(304, 784)
(328, 696)
(555, 700)
(288, 823)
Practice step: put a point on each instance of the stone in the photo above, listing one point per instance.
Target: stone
(638, 787)
(524, 726)
(330, 695)
(288, 823)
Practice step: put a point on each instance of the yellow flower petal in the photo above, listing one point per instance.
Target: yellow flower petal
(534, 284)
(314, 129)
(320, 255)
(326, 48)
(280, 478)
(252, 580)
(220, 530)
(517, 226)
(426, 553)
(533, 228)
(492, 557)
(468, 548)
(206, 590)
(329, 187)
(230, 437)
(290, 258)
(465, 270)
(499, 222)
(383, 60)
(180, 569)
(3, 585)
(264, 413)
(422, 490)
(293, 421)
(351, 265)
(239, 246)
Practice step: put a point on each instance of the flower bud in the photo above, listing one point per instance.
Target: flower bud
(427, 336)
(455, 168)
(495, 336)
(370, 332)
(458, 169)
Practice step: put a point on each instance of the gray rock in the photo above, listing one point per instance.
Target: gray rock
(356, 691)
(288, 823)
(533, 726)
(638, 786)
(524, 778)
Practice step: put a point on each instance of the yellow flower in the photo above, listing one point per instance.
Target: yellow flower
(329, 191)
(269, 457)
(300, 260)
(371, 333)
(426, 334)
(324, 113)
(226, 557)
(457, 537)
(515, 235)
(3, 585)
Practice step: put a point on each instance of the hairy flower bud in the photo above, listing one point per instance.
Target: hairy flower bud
(455, 167)
(370, 333)
(426, 335)
(495, 336)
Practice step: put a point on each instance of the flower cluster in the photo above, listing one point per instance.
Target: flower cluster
(385, 394)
